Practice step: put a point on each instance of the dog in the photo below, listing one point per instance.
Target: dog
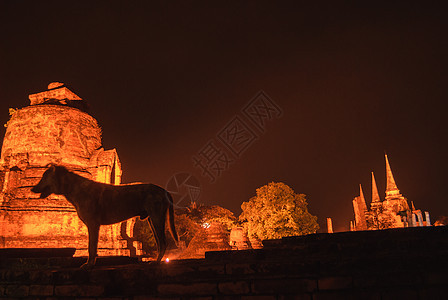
(104, 204)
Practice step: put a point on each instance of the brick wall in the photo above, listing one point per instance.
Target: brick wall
(408, 263)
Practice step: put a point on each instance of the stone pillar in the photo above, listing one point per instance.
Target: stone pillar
(420, 218)
(428, 220)
(238, 239)
(414, 221)
(329, 225)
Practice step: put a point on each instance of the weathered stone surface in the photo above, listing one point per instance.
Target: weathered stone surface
(58, 131)
(39, 252)
(145, 297)
(347, 295)
(213, 238)
(41, 290)
(79, 290)
(234, 287)
(56, 90)
(239, 239)
(240, 268)
(198, 298)
(393, 212)
(227, 297)
(17, 290)
(334, 283)
(203, 288)
(287, 285)
(46, 132)
(295, 297)
(259, 297)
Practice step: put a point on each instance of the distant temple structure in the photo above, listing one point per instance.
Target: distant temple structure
(392, 212)
(54, 128)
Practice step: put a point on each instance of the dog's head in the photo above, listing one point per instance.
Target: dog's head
(50, 182)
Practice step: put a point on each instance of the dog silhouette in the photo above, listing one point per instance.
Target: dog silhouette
(104, 204)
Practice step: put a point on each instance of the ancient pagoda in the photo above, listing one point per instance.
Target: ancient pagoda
(54, 128)
(392, 212)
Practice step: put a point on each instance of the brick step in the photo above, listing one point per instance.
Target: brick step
(57, 263)
(36, 252)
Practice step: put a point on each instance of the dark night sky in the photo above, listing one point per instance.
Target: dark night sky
(163, 78)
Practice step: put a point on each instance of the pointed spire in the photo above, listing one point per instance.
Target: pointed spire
(362, 200)
(375, 195)
(360, 209)
(392, 190)
(391, 185)
(361, 194)
(412, 205)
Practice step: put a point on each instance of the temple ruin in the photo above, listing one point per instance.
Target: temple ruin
(392, 212)
(54, 128)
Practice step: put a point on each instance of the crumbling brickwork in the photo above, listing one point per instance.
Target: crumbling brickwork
(52, 130)
(392, 212)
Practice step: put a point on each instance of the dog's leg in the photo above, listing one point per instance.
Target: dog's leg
(93, 246)
(158, 229)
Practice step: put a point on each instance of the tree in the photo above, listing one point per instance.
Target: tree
(143, 234)
(206, 215)
(186, 228)
(380, 218)
(441, 221)
(277, 211)
(191, 220)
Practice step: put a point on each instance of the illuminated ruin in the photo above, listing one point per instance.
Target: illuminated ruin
(392, 212)
(54, 128)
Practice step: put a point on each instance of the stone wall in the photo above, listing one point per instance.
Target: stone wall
(408, 263)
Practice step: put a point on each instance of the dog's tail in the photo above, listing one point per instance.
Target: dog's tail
(170, 217)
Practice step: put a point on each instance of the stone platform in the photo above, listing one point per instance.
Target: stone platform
(409, 263)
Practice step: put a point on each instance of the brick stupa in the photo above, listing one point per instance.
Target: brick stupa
(392, 212)
(54, 128)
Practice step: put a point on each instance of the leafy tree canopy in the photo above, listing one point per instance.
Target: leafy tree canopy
(203, 215)
(277, 211)
(191, 220)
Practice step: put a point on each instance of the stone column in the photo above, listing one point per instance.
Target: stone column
(413, 221)
(329, 225)
(428, 220)
(420, 218)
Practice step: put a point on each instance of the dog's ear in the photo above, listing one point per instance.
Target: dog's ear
(50, 166)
